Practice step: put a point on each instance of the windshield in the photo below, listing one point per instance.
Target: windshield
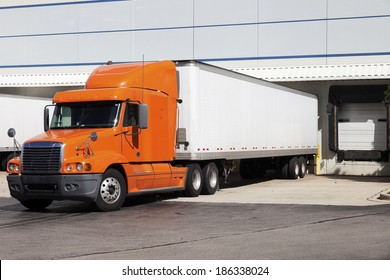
(85, 115)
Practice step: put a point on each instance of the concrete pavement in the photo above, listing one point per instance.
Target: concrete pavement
(312, 190)
(4, 192)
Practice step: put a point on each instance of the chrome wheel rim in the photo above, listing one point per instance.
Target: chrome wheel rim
(110, 190)
(196, 180)
(296, 168)
(213, 178)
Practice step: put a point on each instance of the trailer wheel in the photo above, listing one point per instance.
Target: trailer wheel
(293, 168)
(194, 180)
(36, 204)
(112, 191)
(210, 179)
(302, 166)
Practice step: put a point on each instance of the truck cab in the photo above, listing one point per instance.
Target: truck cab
(113, 138)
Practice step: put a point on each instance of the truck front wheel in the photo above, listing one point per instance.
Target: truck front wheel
(112, 191)
(194, 183)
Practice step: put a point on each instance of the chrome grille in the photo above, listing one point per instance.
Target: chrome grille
(41, 157)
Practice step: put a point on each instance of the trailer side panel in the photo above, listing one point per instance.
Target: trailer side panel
(226, 115)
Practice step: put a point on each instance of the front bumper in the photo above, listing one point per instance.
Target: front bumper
(83, 187)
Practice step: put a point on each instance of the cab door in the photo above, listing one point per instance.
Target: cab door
(140, 174)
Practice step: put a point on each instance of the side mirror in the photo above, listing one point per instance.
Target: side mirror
(46, 119)
(17, 148)
(143, 116)
(11, 132)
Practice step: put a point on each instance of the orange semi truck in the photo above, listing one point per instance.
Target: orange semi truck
(162, 126)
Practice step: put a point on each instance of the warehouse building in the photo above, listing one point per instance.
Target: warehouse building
(337, 49)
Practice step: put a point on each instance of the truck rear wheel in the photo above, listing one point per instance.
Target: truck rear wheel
(210, 179)
(36, 204)
(112, 191)
(194, 180)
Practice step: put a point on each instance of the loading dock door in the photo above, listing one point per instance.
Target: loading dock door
(362, 127)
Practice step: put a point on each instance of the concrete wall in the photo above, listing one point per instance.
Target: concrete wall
(65, 36)
(78, 35)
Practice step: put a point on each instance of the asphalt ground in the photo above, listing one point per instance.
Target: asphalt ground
(311, 190)
(318, 217)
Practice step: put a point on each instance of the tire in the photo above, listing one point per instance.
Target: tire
(302, 166)
(112, 191)
(5, 160)
(194, 182)
(36, 204)
(210, 178)
(293, 168)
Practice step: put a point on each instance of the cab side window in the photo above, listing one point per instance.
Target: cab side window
(131, 115)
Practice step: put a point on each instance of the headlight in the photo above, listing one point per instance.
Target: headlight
(79, 166)
(13, 167)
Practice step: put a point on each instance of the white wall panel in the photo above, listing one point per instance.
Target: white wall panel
(225, 42)
(299, 38)
(56, 19)
(224, 29)
(351, 8)
(358, 36)
(107, 16)
(224, 11)
(13, 51)
(7, 3)
(283, 10)
(12, 22)
(52, 50)
(167, 13)
(103, 47)
(173, 44)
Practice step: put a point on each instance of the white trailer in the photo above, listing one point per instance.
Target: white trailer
(22, 113)
(227, 115)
